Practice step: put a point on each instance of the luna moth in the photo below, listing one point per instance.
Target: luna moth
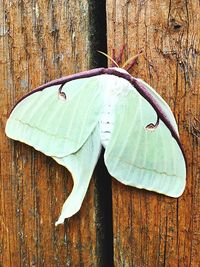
(70, 119)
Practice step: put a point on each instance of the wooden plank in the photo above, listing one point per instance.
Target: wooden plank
(40, 41)
(151, 229)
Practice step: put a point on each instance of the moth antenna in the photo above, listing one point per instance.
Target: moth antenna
(109, 57)
(152, 126)
(132, 59)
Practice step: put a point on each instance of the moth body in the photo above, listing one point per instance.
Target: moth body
(113, 90)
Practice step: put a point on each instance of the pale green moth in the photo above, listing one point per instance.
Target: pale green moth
(71, 118)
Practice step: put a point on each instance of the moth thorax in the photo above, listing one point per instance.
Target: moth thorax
(106, 125)
(111, 97)
(113, 90)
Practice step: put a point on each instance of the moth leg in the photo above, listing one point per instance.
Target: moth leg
(121, 53)
(114, 57)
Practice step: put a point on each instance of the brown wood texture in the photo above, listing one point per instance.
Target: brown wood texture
(40, 41)
(43, 40)
(152, 229)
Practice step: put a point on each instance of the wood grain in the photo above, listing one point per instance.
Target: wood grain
(151, 229)
(43, 40)
(40, 41)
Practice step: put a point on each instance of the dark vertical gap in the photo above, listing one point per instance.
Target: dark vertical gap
(103, 206)
(97, 33)
(103, 191)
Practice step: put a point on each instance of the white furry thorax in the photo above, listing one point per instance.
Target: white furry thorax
(113, 89)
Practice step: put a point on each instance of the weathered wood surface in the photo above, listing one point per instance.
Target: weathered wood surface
(40, 41)
(150, 229)
(43, 40)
